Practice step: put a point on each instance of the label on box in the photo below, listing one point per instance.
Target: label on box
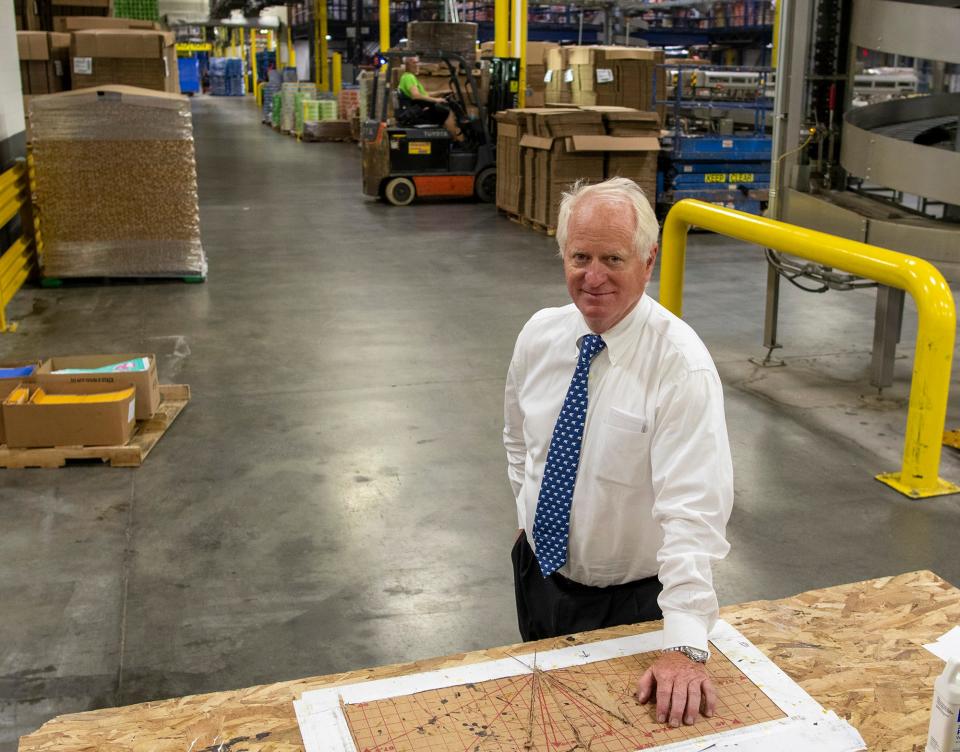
(132, 411)
(83, 66)
(715, 177)
(166, 67)
(688, 168)
(604, 75)
(727, 143)
(741, 177)
(418, 147)
(568, 75)
(57, 68)
(548, 77)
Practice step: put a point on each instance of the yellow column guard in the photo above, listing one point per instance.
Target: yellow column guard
(935, 326)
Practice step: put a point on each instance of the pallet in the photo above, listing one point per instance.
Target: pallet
(57, 282)
(527, 222)
(174, 397)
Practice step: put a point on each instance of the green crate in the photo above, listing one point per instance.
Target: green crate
(144, 10)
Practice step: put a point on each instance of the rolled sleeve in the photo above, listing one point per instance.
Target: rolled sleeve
(513, 442)
(693, 486)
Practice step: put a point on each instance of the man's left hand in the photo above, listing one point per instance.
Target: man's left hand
(681, 685)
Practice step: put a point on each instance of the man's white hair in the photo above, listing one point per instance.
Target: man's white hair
(614, 190)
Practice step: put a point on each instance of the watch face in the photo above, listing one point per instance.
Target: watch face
(696, 655)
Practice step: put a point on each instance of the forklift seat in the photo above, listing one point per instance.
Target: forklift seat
(405, 115)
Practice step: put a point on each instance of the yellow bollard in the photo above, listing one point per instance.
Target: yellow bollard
(253, 62)
(936, 316)
(337, 72)
(501, 41)
(384, 26)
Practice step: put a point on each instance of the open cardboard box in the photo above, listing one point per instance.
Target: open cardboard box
(8, 385)
(31, 426)
(146, 382)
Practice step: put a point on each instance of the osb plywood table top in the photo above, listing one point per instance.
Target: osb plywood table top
(857, 649)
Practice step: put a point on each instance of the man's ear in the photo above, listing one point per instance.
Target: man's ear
(653, 256)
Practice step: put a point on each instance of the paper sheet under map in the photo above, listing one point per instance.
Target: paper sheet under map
(576, 698)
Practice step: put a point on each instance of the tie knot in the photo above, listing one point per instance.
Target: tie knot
(590, 345)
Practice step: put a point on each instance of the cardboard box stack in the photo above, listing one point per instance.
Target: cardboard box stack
(558, 77)
(634, 152)
(69, 24)
(116, 183)
(42, 15)
(441, 36)
(44, 61)
(619, 76)
(83, 400)
(128, 57)
(554, 160)
(542, 152)
(536, 94)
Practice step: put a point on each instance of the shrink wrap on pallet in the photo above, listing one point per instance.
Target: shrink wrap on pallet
(116, 184)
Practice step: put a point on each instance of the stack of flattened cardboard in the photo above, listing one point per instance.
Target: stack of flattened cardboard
(44, 61)
(558, 77)
(116, 183)
(511, 125)
(633, 146)
(554, 159)
(536, 90)
(69, 24)
(129, 57)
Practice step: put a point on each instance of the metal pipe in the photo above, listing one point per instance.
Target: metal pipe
(501, 24)
(519, 47)
(936, 317)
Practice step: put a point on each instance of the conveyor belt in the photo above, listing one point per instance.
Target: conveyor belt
(897, 144)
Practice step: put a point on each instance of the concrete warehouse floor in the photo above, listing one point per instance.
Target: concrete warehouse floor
(335, 496)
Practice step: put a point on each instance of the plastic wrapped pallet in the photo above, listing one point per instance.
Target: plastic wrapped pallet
(116, 183)
(288, 93)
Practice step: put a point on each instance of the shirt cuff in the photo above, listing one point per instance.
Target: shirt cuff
(684, 629)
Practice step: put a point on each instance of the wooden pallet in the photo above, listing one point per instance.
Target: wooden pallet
(527, 222)
(174, 397)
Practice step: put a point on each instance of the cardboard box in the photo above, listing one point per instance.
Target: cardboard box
(128, 57)
(80, 23)
(537, 53)
(44, 61)
(8, 385)
(79, 424)
(146, 382)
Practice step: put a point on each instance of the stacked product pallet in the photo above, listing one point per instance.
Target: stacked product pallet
(542, 152)
(288, 104)
(271, 87)
(226, 77)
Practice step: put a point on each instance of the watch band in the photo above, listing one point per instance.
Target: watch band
(694, 654)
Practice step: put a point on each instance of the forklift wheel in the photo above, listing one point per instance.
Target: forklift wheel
(400, 191)
(485, 185)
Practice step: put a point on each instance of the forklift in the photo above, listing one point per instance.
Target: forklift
(404, 160)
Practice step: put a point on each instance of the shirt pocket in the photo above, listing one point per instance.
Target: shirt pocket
(624, 450)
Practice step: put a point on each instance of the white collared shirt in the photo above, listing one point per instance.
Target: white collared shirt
(654, 488)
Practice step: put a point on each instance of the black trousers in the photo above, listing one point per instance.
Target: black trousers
(555, 605)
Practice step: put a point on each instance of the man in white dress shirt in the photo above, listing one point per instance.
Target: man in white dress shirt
(653, 486)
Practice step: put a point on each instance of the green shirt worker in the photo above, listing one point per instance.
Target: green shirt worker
(420, 106)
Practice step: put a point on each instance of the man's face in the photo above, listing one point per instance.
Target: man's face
(413, 65)
(605, 277)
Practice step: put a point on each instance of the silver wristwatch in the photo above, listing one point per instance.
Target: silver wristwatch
(694, 654)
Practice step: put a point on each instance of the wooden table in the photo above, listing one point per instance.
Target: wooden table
(857, 649)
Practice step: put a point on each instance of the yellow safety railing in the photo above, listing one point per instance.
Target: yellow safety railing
(18, 260)
(935, 312)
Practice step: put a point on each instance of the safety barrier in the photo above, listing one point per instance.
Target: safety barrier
(19, 259)
(935, 327)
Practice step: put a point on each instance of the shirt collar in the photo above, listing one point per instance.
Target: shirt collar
(623, 334)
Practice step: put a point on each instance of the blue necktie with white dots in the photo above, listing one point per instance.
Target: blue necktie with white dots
(551, 526)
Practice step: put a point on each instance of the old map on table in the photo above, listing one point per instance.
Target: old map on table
(579, 697)
(587, 707)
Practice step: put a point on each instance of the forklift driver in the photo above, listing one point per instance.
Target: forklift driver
(418, 106)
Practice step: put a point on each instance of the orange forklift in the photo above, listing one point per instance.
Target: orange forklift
(404, 160)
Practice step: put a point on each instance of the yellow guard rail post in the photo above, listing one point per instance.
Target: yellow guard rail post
(18, 260)
(935, 326)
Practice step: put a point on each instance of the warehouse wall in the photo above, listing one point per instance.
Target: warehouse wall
(13, 140)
